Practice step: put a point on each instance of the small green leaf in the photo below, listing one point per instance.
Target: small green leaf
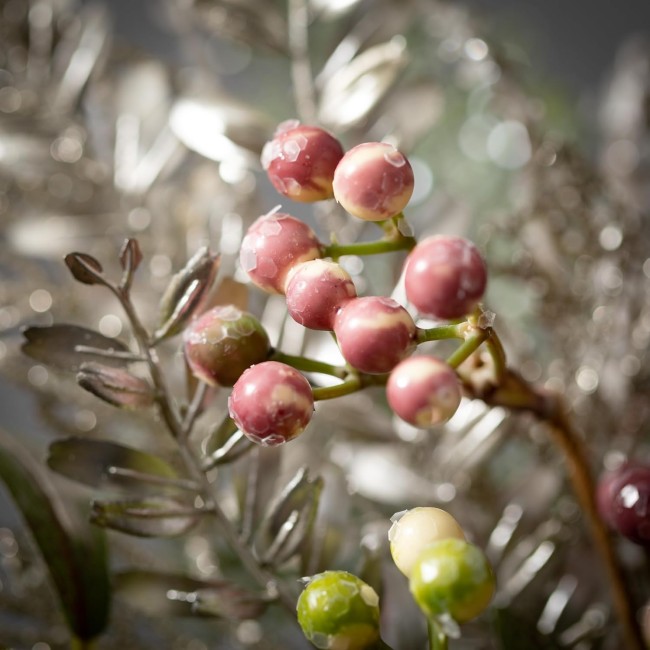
(108, 465)
(154, 517)
(61, 346)
(75, 555)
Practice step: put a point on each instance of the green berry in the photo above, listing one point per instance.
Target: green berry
(338, 611)
(452, 577)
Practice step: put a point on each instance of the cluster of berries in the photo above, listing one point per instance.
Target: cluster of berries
(445, 277)
(451, 581)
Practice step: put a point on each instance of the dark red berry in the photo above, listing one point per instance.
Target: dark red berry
(271, 403)
(373, 181)
(624, 501)
(300, 161)
(445, 277)
(423, 391)
(374, 333)
(315, 291)
(273, 244)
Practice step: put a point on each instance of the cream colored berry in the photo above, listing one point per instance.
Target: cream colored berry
(413, 530)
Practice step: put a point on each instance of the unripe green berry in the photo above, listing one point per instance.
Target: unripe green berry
(338, 611)
(414, 530)
(223, 342)
(452, 577)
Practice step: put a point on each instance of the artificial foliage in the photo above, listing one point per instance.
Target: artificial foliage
(319, 331)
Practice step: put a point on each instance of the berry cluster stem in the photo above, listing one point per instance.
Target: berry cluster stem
(437, 637)
(336, 250)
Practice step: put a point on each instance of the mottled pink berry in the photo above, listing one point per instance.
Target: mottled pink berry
(624, 501)
(222, 343)
(273, 244)
(374, 333)
(423, 391)
(315, 291)
(300, 161)
(271, 403)
(373, 181)
(445, 277)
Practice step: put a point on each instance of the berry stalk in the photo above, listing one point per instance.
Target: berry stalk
(437, 637)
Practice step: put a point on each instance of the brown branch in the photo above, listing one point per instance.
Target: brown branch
(516, 394)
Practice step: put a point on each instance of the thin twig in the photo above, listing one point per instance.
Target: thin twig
(301, 74)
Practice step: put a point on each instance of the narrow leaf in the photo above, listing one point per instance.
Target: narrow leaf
(186, 293)
(130, 255)
(56, 346)
(85, 268)
(168, 594)
(75, 556)
(115, 386)
(154, 517)
(289, 519)
(93, 463)
(228, 601)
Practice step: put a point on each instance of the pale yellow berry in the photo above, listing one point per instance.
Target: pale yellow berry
(413, 530)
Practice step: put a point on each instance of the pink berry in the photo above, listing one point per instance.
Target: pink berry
(273, 244)
(423, 391)
(300, 161)
(315, 291)
(624, 501)
(373, 181)
(222, 343)
(445, 277)
(271, 403)
(374, 333)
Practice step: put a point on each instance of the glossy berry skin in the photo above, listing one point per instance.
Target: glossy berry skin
(445, 277)
(452, 577)
(222, 343)
(271, 403)
(300, 161)
(373, 181)
(374, 333)
(423, 391)
(337, 610)
(413, 530)
(624, 501)
(273, 244)
(315, 291)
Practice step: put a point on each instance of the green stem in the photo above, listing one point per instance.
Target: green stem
(369, 248)
(438, 333)
(437, 638)
(471, 344)
(309, 365)
(351, 385)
